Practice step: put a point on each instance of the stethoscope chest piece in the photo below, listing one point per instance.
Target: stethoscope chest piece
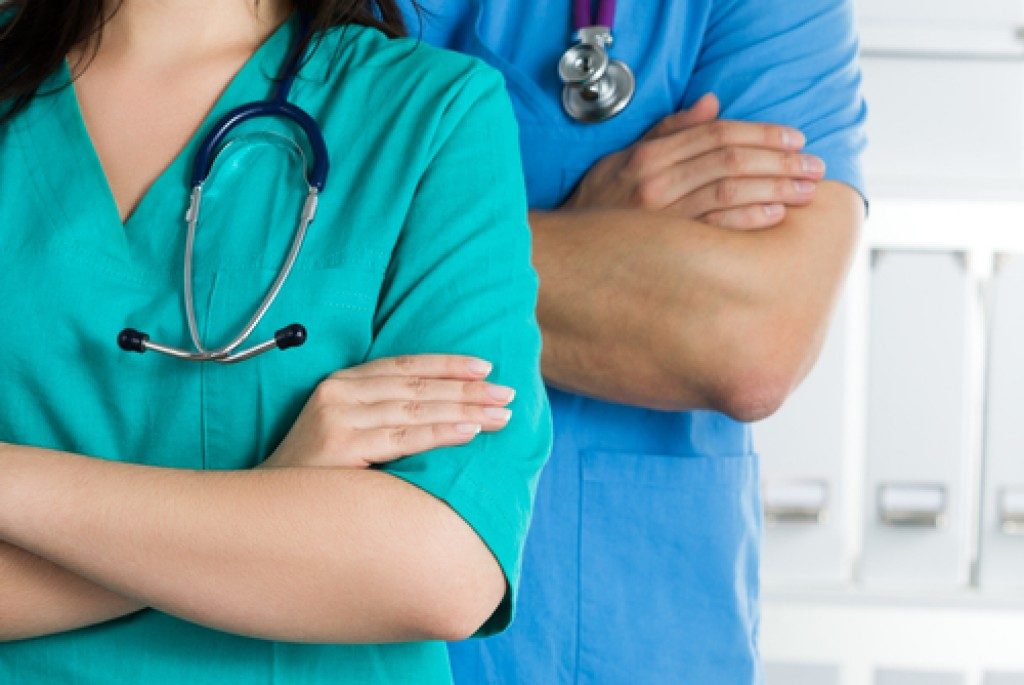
(584, 62)
(596, 87)
(602, 99)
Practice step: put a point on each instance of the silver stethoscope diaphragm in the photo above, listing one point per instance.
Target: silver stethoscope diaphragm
(583, 63)
(603, 98)
(595, 87)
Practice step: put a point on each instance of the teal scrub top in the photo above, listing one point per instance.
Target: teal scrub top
(421, 244)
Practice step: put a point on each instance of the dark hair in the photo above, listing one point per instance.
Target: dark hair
(35, 35)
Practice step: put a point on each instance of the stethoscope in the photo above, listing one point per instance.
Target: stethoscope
(132, 340)
(596, 87)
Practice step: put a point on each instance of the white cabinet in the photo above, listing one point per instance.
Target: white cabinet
(941, 127)
(944, 83)
(999, 678)
(897, 677)
(921, 465)
(1002, 524)
(800, 674)
(807, 450)
(942, 12)
(951, 27)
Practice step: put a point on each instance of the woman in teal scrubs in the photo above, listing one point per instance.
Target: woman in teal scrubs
(325, 514)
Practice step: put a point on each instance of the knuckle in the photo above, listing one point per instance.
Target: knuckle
(643, 156)
(413, 409)
(404, 362)
(793, 164)
(329, 392)
(780, 188)
(732, 159)
(648, 192)
(717, 219)
(398, 437)
(718, 132)
(417, 386)
(726, 191)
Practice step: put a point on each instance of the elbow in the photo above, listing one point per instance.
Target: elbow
(465, 589)
(459, 618)
(752, 396)
(759, 371)
(461, 624)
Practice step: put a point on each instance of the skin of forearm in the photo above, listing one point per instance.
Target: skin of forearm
(655, 310)
(38, 597)
(293, 554)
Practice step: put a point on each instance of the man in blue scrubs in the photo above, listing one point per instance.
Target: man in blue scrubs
(667, 324)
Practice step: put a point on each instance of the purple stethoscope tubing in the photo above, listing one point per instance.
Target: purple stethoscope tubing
(583, 14)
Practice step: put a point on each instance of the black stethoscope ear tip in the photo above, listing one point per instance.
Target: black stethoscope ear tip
(290, 336)
(131, 340)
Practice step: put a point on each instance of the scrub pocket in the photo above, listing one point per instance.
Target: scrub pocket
(668, 568)
(248, 407)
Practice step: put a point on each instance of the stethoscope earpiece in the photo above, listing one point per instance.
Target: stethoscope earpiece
(131, 340)
(290, 336)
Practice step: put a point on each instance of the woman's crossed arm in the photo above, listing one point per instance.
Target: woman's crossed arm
(318, 548)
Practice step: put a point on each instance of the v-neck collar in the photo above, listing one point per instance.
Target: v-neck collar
(57, 132)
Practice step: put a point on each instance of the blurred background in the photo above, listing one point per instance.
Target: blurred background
(893, 480)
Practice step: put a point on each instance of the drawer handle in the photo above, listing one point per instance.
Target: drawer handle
(912, 505)
(1011, 511)
(795, 501)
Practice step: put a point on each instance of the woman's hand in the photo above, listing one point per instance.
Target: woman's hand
(391, 408)
(732, 174)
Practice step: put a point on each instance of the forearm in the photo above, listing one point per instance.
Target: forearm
(651, 309)
(297, 554)
(38, 597)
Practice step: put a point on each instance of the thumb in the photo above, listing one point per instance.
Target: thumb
(705, 109)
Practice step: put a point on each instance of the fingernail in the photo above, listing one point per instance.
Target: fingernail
(501, 392)
(792, 138)
(498, 413)
(812, 165)
(467, 428)
(803, 187)
(479, 367)
(773, 210)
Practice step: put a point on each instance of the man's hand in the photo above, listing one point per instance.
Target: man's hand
(731, 174)
(658, 310)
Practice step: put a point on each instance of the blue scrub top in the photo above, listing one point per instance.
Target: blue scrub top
(642, 562)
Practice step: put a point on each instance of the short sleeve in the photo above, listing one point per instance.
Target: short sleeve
(460, 281)
(790, 62)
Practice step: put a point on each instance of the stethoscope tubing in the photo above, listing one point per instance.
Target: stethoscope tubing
(292, 335)
(583, 14)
